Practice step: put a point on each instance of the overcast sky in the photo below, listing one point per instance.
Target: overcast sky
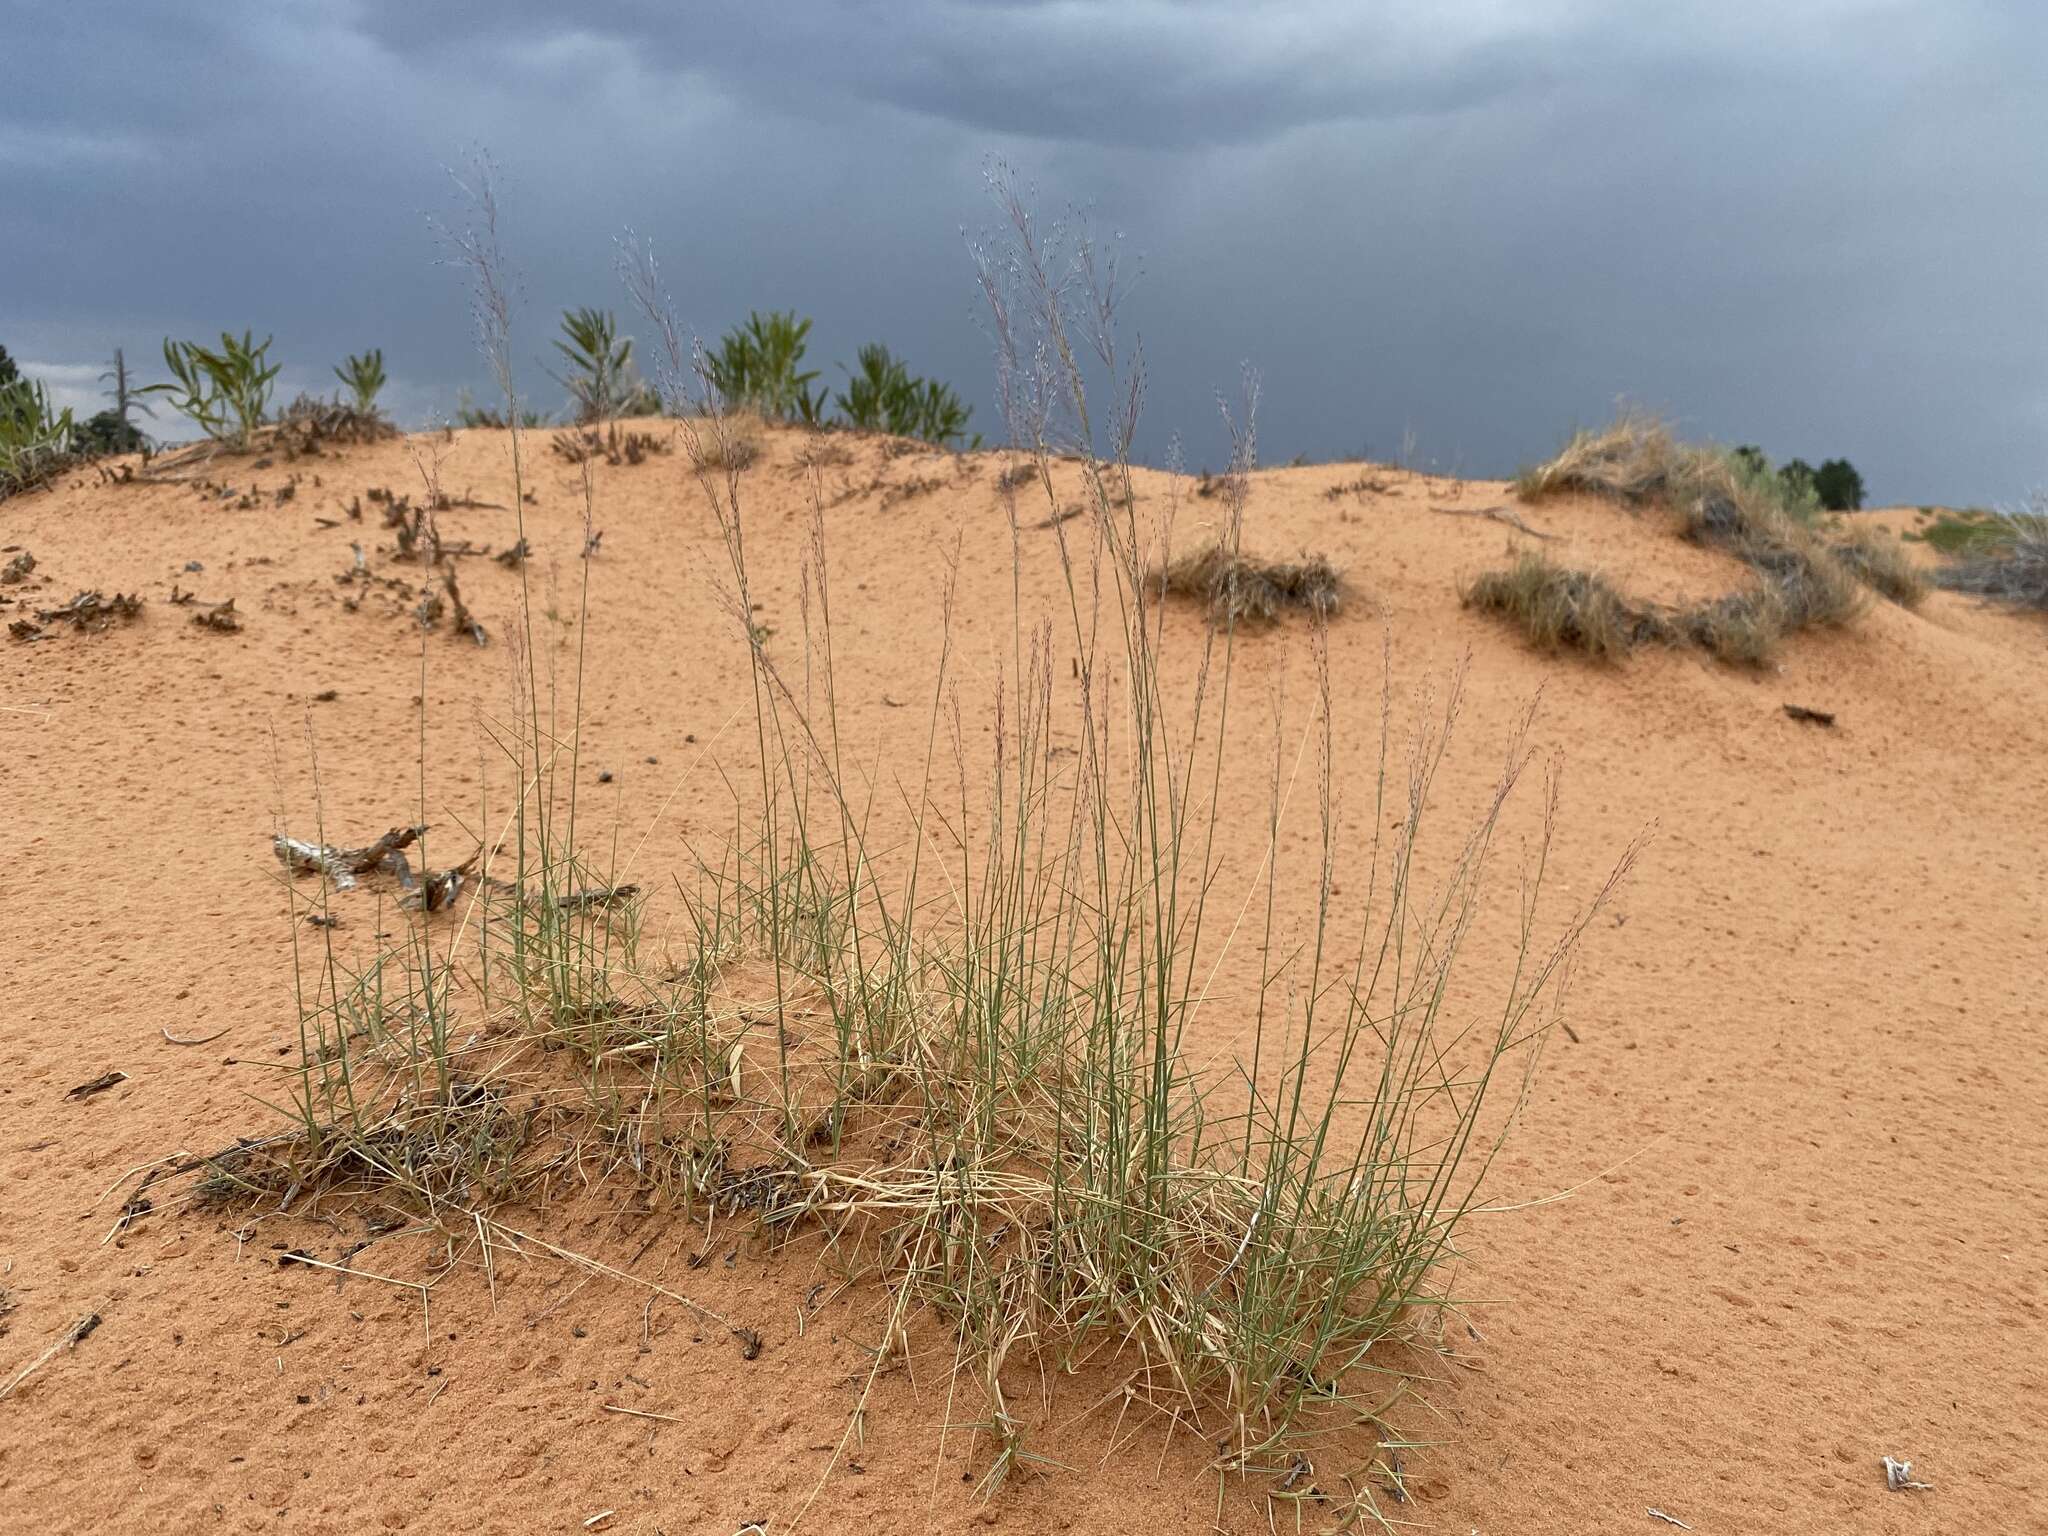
(1818, 225)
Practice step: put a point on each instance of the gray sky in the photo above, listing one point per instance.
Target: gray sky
(1819, 225)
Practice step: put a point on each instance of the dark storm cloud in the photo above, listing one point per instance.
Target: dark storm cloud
(1113, 73)
(1820, 226)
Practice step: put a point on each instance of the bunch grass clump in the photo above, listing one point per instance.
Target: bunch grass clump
(1634, 461)
(975, 1084)
(1241, 589)
(308, 423)
(1883, 564)
(1560, 609)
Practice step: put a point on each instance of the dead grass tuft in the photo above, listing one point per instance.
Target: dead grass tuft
(1240, 589)
(1560, 609)
(1636, 460)
(1882, 563)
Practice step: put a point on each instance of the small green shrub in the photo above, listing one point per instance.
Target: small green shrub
(364, 379)
(884, 396)
(1972, 530)
(225, 393)
(758, 366)
(1797, 476)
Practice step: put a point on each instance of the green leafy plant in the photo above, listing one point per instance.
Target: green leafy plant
(759, 365)
(225, 393)
(364, 378)
(35, 438)
(884, 396)
(600, 382)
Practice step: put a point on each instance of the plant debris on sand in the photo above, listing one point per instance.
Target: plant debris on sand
(87, 611)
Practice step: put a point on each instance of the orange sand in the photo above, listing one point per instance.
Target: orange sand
(1802, 1116)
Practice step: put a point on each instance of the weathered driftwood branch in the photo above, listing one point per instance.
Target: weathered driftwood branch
(342, 865)
(439, 890)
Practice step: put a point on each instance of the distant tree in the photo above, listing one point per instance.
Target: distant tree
(1838, 486)
(1751, 458)
(9, 374)
(1798, 477)
(108, 432)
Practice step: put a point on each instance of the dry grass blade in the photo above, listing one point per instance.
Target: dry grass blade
(71, 1338)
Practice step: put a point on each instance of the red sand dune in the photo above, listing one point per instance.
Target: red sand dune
(1801, 1121)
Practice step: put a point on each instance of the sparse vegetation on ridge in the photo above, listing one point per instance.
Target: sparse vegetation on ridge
(1730, 501)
